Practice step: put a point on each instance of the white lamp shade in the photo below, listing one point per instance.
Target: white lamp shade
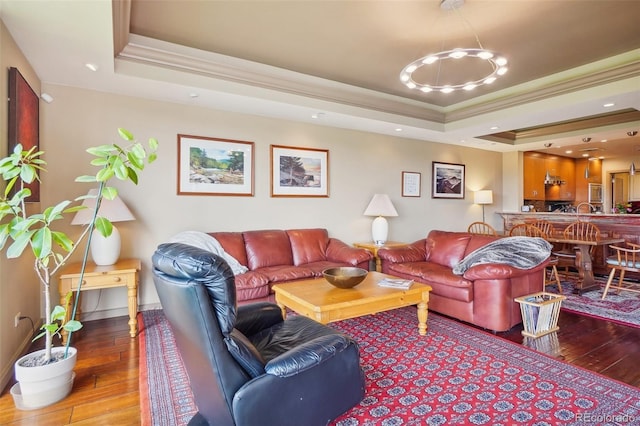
(380, 205)
(115, 210)
(104, 250)
(483, 197)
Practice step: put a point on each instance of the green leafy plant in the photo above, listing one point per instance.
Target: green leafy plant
(623, 208)
(51, 248)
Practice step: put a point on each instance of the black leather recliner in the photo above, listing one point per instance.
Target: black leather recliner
(246, 365)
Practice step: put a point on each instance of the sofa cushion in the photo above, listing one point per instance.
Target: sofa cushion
(251, 279)
(267, 248)
(318, 267)
(232, 243)
(282, 273)
(478, 241)
(443, 282)
(447, 248)
(308, 245)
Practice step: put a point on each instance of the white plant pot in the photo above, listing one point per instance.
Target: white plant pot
(43, 385)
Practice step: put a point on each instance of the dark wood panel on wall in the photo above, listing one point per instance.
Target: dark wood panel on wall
(24, 120)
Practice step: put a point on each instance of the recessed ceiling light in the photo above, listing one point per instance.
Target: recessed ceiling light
(494, 128)
(317, 115)
(568, 151)
(193, 95)
(603, 140)
(609, 105)
(585, 155)
(398, 129)
(92, 67)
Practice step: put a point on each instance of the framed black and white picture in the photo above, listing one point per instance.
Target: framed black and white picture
(448, 180)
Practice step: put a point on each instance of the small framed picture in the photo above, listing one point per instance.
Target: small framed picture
(211, 166)
(299, 172)
(448, 180)
(411, 184)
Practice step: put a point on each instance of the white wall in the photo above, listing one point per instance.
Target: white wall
(360, 164)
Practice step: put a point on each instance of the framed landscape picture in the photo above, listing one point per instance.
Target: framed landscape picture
(448, 180)
(299, 172)
(210, 166)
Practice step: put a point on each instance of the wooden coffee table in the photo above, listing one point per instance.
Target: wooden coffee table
(321, 301)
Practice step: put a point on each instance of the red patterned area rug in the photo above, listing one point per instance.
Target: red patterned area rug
(455, 374)
(623, 308)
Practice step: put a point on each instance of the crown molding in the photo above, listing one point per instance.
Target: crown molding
(156, 53)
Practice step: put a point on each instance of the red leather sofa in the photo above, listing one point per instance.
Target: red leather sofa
(276, 256)
(483, 296)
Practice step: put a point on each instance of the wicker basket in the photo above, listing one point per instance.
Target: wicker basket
(540, 313)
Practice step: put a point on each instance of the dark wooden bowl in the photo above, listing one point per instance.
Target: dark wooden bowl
(345, 276)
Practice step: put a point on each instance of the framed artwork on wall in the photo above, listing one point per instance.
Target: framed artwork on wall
(411, 184)
(299, 172)
(24, 119)
(212, 166)
(448, 180)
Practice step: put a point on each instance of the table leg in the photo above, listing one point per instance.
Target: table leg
(132, 292)
(586, 281)
(284, 310)
(422, 318)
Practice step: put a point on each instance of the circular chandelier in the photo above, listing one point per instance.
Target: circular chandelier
(497, 62)
(498, 66)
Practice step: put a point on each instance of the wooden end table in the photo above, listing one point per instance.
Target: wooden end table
(321, 301)
(124, 273)
(373, 248)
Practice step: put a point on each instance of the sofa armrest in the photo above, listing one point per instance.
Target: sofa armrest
(496, 271)
(414, 252)
(255, 317)
(307, 355)
(338, 251)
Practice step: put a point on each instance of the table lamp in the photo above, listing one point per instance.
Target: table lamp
(104, 250)
(380, 206)
(483, 197)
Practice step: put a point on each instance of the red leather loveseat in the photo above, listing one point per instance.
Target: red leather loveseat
(275, 256)
(484, 295)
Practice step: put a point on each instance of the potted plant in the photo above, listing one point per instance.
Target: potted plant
(52, 249)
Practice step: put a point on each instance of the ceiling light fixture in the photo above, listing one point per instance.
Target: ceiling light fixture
(46, 97)
(585, 140)
(498, 63)
(92, 67)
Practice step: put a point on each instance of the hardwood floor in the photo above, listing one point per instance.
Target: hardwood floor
(106, 386)
(105, 391)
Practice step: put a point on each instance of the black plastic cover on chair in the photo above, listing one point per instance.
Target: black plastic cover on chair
(246, 365)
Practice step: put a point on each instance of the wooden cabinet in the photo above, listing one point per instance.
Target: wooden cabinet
(634, 187)
(582, 183)
(534, 171)
(567, 170)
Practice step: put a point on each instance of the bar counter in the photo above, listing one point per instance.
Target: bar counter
(625, 226)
